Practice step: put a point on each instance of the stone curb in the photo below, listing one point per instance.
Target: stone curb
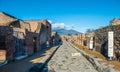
(38, 67)
(100, 67)
(3, 63)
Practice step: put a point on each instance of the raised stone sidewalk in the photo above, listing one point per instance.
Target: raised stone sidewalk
(98, 64)
(25, 65)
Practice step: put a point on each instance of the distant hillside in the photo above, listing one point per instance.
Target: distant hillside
(64, 31)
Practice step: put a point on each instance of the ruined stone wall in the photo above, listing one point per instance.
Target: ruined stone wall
(42, 28)
(33, 24)
(6, 41)
(29, 43)
(77, 39)
(26, 38)
(19, 40)
(56, 39)
(80, 39)
(115, 21)
(24, 25)
(47, 28)
(101, 38)
(5, 18)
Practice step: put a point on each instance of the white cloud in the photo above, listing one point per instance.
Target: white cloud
(50, 21)
(58, 26)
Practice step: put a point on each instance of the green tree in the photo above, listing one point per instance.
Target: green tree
(90, 30)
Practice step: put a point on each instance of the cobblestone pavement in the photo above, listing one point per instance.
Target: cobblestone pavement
(67, 59)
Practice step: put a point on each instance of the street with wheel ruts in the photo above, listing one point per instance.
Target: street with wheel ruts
(67, 59)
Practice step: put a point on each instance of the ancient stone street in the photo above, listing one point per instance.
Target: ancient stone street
(67, 59)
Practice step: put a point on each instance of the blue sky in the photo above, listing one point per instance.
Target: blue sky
(71, 14)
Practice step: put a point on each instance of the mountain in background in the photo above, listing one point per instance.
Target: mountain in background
(64, 31)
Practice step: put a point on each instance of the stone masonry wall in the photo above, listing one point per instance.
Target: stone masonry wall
(101, 40)
(6, 41)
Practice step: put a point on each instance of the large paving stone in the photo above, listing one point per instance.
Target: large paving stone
(67, 59)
